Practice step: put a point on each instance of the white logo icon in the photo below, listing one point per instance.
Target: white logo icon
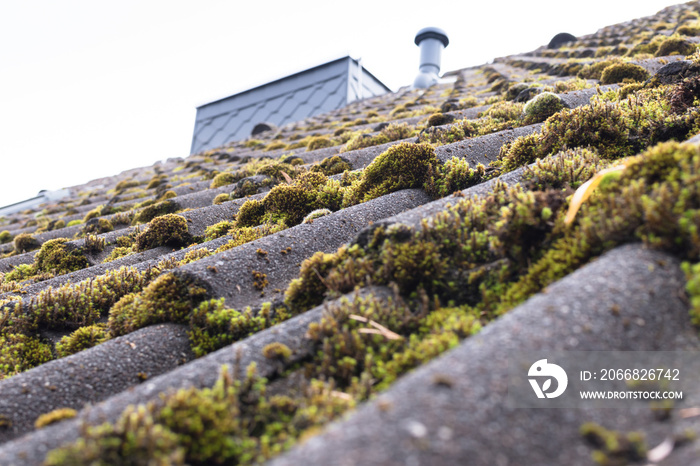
(542, 369)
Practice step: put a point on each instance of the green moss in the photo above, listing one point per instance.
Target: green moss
(614, 130)
(687, 30)
(74, 222)
(98, 226)
(623, 72)
(19, 353)
(454, 175)
(20, 273)
(393, 132)
(124, 185)
(221, 198)
(94, 213)
(675, 46)
(570, 168)
(213, 326)
(505, 111)
(277, 350)
(57, 415)
(59, 257)
(5, 237)
(595, 70)
(222, 179)
(135, 439)
(318, 213)
(319, 142)
(168, 230)
(81, 339)
(331, 166)
(72, 306)
(614, 447)
(167, 299)
(250, 214)
(542, 107)
(402, 166)
(118, 253)
(156, 210)
(218, 230)
(275, 146)
(439, 119)
(24, 242)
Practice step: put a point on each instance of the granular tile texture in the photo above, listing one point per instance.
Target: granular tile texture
(349, 289)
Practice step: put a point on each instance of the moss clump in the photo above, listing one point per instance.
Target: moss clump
(250, 214)
(402, 166)
(59, 257)
(688, 30)
(277, 350)
(218, 230)
(247, 234)
(233, 422)
(156, 210)
(675, 46)
(94, 213)
(318, 213)
(319, 142)
(331, 166)
(134, 439)
(20, 273)
(168, 230)
(454, 175)
(614, 129)
(213, 326)
(167, 299)
(118, 253)
(542, 107)
(275, 146)
(595, 70)
(439, 119)
(614, 447)
(97, 226)
(83, 338)
(57, 415)
(123, 185)
(222, 179)
(392, 132)
(568, 169)
(221, 198)
(19, 353)
(5, 237)
(24, 242)
(623, 72)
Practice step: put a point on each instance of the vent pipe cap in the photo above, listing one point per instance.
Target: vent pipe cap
(432, 33)
(431, 42)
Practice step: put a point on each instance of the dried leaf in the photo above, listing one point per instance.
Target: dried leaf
(341, 395)
(585, 190)
(287, 178)
(661, 451)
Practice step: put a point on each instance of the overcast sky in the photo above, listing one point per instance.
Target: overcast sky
(89, 88)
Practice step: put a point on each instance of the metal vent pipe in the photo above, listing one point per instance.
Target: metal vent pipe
(431, 42)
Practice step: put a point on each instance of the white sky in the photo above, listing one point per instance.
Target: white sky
(89, 88)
